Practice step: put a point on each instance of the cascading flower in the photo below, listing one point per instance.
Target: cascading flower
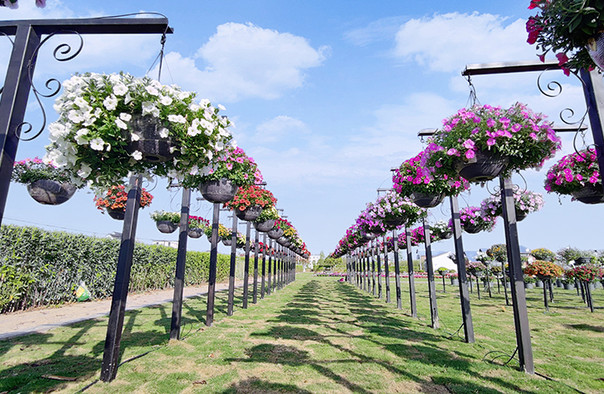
(251, 195)
(574, 172)
(473, 221)
(233, 164)
(525, 202)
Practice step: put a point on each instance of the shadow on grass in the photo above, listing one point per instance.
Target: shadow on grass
(586, 327)
(255, 385)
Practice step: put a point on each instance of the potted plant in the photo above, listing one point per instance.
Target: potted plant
(166, 222)
(45, 182)
(571, 29)
(525, 202)
(266, 220)
(197, 226)
(543, 254)
(114, 201)
(113, 125)
(277, 230)
(543, 270)
(529, 282)
(250, 201)
(220, 179)
(441, 230)
(473, 221)
(392, 210)
(417, 178)
(453, 276)
(475, 268)
(483, 141)
(578, 175)
(568, 282)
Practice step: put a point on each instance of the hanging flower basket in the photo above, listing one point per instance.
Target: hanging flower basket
(195, 232)
(483, 167)
(472, 228)
(275, 233)
(152, 141)
(394, 222)
(440, 231)
(45, 182)
(264, 226)
(166, 226)
(116, 213)
(49, 192)
(218, 191)
(582, 260)
(249, 214)
(425, 200)
(492, 140)
(570, 29)
(590, 194)
(283, 241)
(113, 125)
(577, 174)
(114, 201)
(474, 221)
(525, 202)
(227, 241)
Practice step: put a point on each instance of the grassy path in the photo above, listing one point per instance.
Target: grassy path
(318, 335)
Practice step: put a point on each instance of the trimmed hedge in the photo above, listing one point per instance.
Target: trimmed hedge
(41, 267)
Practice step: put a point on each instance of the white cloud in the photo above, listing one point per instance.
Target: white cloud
(280, 127)
(448, 42)
(244, 61)
(379, 30)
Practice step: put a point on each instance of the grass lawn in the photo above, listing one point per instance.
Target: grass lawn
(320, 335)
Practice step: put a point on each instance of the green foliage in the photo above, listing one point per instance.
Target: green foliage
(42, 267)
(543, 254)
(498, 252)
(173, 217)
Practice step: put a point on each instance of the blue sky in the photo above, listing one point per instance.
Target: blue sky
(326, 96)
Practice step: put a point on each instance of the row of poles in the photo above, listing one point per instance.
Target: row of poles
(276, 271)
(362, 262)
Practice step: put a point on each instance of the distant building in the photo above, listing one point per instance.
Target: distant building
(165, 242)
(312, 260)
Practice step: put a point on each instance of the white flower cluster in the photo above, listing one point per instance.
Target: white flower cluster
(90, 139)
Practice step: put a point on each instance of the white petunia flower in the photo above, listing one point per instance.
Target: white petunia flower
(125, 117)
(97, 144)
(165, 100)
(110, 103)
(194, 170)
(221, 107)
(177, 119)
(204, 102)
(137, 155)
(152, 90)
(163, 132)
(120, 89)
(79, 137)
(135, 137)
(121, 124)
(75, 116)
(84, 171)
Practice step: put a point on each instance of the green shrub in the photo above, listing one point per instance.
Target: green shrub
(44, 267)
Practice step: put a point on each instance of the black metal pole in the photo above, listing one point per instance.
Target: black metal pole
(231, 296)
(122, 280)
(13, 103)
(369, 252)
(521, 321)
(464, 297)
(269, 275)
(365, 271)
(262, 285)
(593, 89)
(412, 301)
(181, 261)
(275, 247)
(386, 270)
(430, 270)
(397, 270)
(505, 283)
(246, 267)
(256, 251)
(379, 266)
(213, 264)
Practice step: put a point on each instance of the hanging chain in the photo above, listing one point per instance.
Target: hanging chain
(472, 98)
(159, 56)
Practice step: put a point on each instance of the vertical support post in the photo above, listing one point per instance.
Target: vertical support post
(275, 247)
(256, 251)
(262, 285)
(386, 270)
(373, 272)
(13, 103)
(115, 325)
(213, 263)
(397, 271)
(246, 267)
(412, 301)
(523, 334)
(181, 260)
(269, 275)
(593, 89)
(430, 270)
(364, 277)
(464, 297)
(231, 296)
(379, 267)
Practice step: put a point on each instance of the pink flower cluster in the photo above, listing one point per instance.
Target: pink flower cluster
(573, 172)
(472, 216)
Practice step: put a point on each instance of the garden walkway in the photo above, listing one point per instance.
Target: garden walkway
(43, 319)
